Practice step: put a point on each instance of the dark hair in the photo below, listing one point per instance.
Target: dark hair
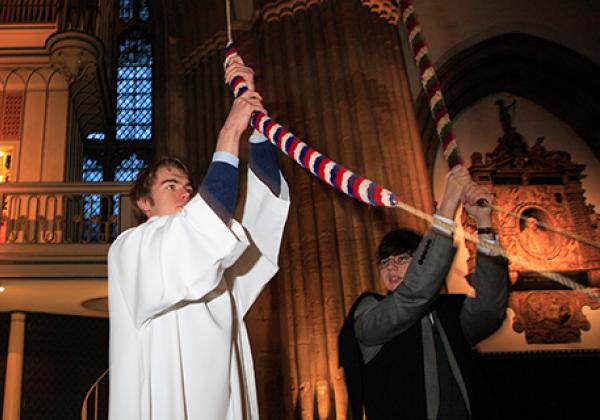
(142, 187)
(398, 242)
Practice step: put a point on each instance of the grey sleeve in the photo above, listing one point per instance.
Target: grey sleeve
(482, 315)
(378, 323)
(368, 352)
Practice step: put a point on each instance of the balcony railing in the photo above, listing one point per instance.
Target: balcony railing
(28, 11)
(69, 15)
(63, 213)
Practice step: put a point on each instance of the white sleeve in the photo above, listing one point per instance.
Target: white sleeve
(264, 219)
(169, 260)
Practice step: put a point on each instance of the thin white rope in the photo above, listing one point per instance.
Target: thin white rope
(498, 250)
(551, 228)
(228, 17)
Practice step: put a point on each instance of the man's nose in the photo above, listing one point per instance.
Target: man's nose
(392, 266)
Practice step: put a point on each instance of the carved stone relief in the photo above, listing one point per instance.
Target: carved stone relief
(75, 55)
(539, 194)
(551, 316)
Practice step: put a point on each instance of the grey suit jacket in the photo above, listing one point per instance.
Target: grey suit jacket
(376, 322)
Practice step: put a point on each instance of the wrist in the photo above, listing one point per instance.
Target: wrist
(229, 132)
(228, 141)
(447, 210)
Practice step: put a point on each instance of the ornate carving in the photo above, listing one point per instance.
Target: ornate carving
(75, 55)
(551, 316)
(386, 9)
(280, 9)
(542, 186)
(78, 57)
(521, 237)
(540, 191)
(73, 64)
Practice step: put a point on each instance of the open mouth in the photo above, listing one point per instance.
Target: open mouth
(395, 280)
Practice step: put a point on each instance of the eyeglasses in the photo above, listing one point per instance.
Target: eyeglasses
(395, 260)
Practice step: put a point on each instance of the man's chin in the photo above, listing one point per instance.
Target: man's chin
(395, 283)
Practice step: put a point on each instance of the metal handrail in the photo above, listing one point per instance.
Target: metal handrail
(62, 212)
(93, 389)
(65, 187)
(28, 11)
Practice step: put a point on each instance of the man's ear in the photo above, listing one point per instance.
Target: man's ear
(144, 205)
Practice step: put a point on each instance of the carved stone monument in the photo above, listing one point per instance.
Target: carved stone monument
(542, 191)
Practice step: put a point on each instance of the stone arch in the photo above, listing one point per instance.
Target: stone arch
(15, 80)
(36, 81)
(56, 81)
(553, 76)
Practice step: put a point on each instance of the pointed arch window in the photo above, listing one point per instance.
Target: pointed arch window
(128, 9)
(126, 171)
(134, 88)
(92, 171)
(96, 136)
(129, 168)
(119, 154)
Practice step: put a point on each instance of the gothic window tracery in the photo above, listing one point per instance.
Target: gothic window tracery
(120, 153)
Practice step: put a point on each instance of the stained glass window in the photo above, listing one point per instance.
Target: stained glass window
(127, 171)
(134, 88)
(144, 13)
(129, 168)
(96, 136)
(92, 172)
(120, 155)
(126, 10)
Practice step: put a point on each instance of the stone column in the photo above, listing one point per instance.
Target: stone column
(333, 73)
(14, 368)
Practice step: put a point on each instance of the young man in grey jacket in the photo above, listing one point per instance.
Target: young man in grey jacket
(408, 355)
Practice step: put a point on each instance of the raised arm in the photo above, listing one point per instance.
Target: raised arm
(265, 210)
(482, 315)
(378, 322)
(220, 186)
(181, 255)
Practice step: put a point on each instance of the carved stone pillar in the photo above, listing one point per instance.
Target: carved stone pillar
(333, 73)
(79, 58)
(14, 368)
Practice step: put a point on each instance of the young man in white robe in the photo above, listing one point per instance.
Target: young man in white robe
(181, 282)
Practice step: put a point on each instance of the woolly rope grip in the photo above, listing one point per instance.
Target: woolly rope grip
(358, 187)
(430, 83)
(315, 162)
